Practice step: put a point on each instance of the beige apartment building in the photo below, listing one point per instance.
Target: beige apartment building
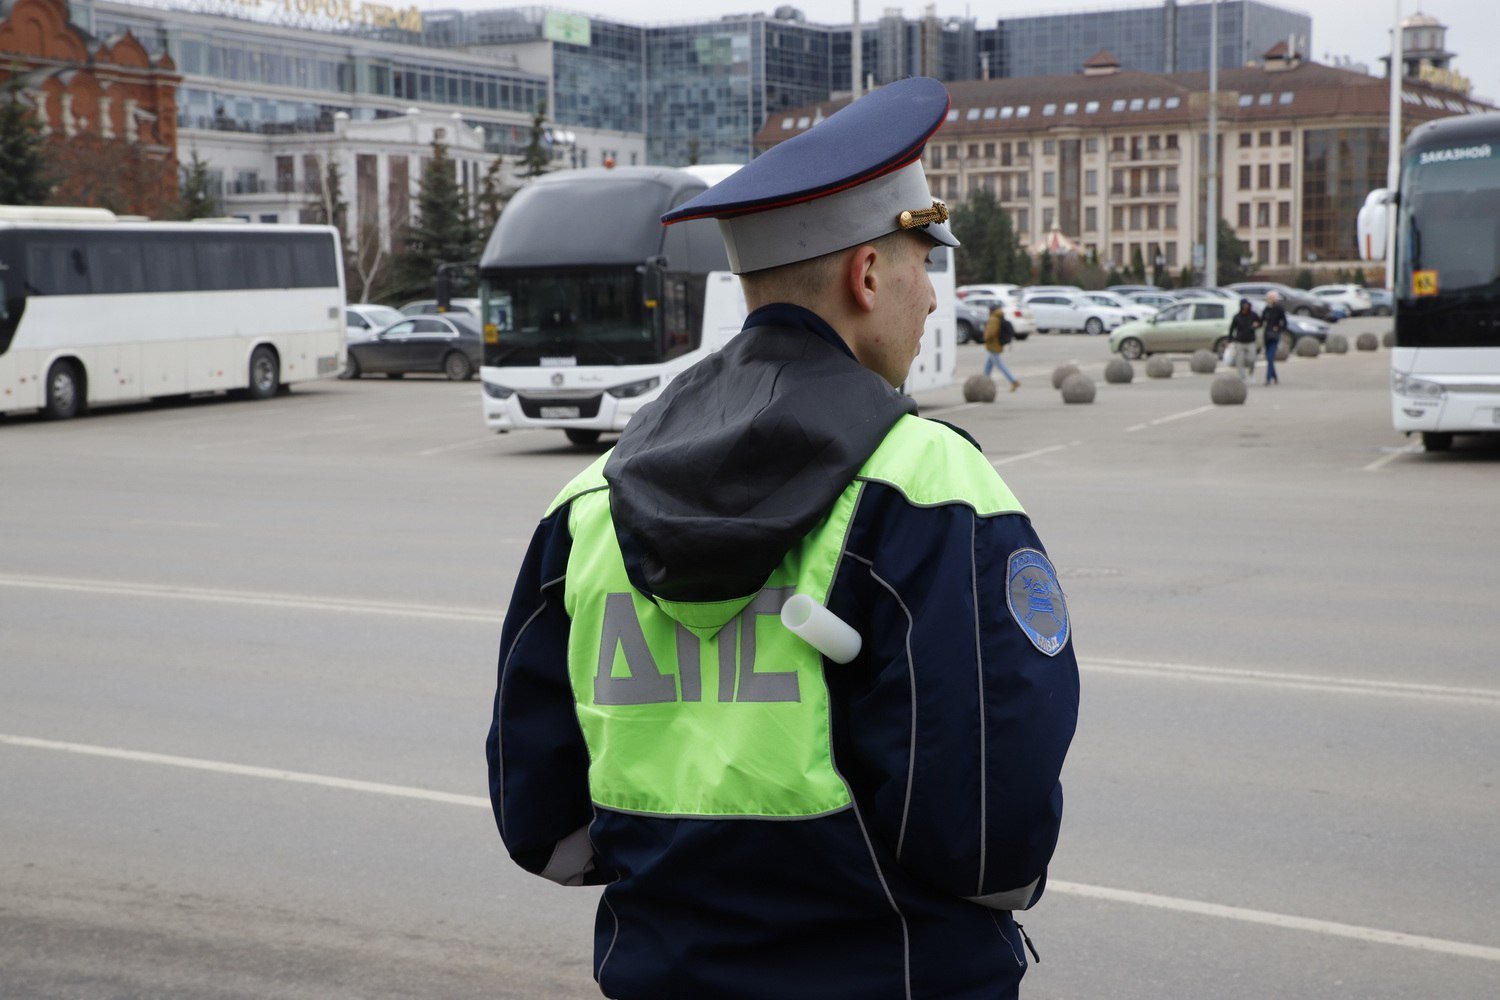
(1118, 161)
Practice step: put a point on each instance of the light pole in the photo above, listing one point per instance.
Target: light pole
(856, 54)
(1211, 238)
(1393, 159)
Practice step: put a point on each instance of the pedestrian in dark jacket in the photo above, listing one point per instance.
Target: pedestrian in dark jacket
(1242, 329)
(1273, 322)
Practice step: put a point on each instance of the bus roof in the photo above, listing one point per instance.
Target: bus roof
(1459, 129)
(591, 217)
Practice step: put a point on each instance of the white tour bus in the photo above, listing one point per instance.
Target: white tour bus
(592, 306)
(94, 309)
(1445, 367)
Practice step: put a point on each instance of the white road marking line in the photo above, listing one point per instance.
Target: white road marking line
(458, 446)
(1027, 454)
(1136, 427)
(248, 771)
(1286, 921)
(1291, 681)
(300, 602)
(1385, 460)
(1283, 920)
(495, 619)
(1179, 416)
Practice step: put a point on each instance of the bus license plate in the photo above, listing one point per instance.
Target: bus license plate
(560, 413)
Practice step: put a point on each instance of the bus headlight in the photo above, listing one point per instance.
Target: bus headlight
(498, 391)
(630, 389)
(1406, 385)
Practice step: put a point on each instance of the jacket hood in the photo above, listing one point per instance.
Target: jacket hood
(713, 483)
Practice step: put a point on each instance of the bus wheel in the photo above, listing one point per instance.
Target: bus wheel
(64, 391)
(265, 373)
(458, 367)
(582, 437)
(1436, 441)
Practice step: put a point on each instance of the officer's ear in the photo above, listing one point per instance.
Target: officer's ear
(859, 275)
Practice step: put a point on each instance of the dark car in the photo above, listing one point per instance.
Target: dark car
(1293, 300)
(449, 343)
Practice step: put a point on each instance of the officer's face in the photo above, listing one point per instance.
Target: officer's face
(904, 299)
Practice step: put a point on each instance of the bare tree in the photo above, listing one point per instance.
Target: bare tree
(369, 261)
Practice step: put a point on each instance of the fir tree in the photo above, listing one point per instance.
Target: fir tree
(443, 231)
(196, 200)
(1045, 274)
(1231, 250)
(24, 177)
(493, 197)
(536, 160)
(990, 251)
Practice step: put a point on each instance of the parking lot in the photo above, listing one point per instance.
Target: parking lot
(247, 657)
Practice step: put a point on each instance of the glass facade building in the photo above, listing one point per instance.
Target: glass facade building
(246, 79)
(1165, 38)
(1339, 168)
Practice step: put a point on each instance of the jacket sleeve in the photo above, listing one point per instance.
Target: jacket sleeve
(538, 761)
(963, 719)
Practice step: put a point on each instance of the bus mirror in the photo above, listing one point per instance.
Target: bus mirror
(1372, 223)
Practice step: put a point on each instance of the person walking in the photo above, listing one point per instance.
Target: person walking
(1242, 327)
(1273, 325)
(772, 816)
(998, 333)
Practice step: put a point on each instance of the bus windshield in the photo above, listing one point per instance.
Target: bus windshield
(1450, 224)
(591, 316)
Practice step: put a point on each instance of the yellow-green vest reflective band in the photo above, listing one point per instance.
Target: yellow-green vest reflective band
(686, 721)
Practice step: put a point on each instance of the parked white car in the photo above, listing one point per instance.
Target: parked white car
(1020, 317)
(363, 320)
(991, 291)
(1133, 310)
(1073, 311)
(1354, 297)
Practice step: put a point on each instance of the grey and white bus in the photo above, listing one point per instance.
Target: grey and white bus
(592, 306)
(95, 309)
(1445, 366)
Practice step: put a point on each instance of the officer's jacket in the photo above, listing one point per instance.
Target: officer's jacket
(766, 822)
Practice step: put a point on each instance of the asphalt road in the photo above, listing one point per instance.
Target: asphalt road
(247, 662)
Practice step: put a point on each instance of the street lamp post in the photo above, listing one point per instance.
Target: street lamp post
(1393, 158)
(1211, 237)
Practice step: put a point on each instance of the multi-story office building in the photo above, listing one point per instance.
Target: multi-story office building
(1117, 160)
(1160, 38)
(269, 104)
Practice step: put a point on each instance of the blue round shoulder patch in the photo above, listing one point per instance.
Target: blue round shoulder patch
(1036, 600)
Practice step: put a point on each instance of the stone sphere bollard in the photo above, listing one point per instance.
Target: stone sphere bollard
(1308, 347)
(1078, 388)
(1158, 366)
(1367, 342)
(1203, 362)
(979, 389)
(1388, 339)
(1061, 372)
(1227, 390)
(1337, 344)
(1283, 348)
(1118, 371)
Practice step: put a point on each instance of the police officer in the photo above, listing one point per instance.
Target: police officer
(769, 823)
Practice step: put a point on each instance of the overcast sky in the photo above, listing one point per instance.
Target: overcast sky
(1357, 28)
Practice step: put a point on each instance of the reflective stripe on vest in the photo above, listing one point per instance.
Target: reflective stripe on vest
(733, 722)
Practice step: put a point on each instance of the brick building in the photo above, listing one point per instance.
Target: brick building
(1117, 160)
(108, 108)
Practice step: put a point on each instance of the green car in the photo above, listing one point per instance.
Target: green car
(1189, 325)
